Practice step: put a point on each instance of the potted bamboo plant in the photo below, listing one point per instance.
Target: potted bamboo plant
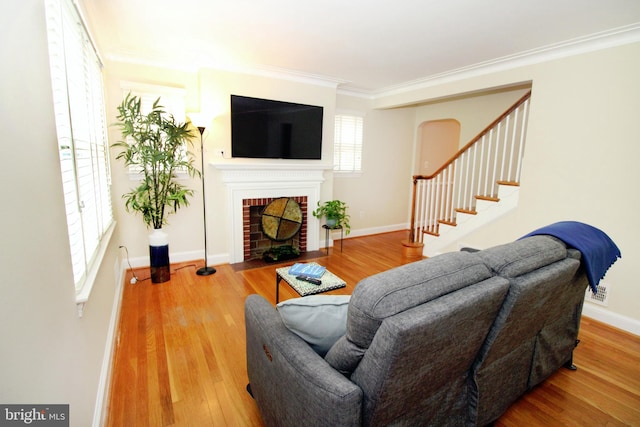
(335, 212)
(155, 146)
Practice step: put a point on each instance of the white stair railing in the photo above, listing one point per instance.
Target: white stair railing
(492, 158)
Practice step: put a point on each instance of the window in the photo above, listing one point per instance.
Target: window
(347, 150)
(78, 96)
(172, 100)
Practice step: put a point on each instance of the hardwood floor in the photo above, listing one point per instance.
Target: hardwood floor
(180, 358)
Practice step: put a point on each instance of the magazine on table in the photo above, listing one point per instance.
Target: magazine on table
(307, 269)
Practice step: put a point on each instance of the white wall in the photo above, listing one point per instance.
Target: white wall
(580, 161)
(379, 198)
(48, 355)
(474, 112)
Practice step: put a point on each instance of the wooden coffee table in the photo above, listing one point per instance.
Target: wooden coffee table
(329, 282)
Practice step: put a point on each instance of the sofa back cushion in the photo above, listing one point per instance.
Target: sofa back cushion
(394, 291)
(523, 256)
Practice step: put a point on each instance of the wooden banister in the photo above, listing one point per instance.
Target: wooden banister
(492, 158)
(511, 109)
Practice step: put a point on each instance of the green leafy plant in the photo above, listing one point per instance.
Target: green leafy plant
(155, 145)
(281, 253)
(335, 211)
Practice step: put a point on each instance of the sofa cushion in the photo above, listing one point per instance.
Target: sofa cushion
(523, 256)
(394, 291)
(318, 319)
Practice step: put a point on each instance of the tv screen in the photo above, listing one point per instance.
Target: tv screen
(263, 128)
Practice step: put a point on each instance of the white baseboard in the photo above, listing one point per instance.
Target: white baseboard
(183, 257)
(104, 381)
(616, 320)
(364, 232)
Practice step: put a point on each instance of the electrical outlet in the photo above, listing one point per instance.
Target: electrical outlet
(219, 152)
(362, 214)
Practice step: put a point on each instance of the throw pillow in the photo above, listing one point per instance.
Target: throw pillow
(318, 319)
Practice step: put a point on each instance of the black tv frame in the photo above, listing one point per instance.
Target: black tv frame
(270, 129)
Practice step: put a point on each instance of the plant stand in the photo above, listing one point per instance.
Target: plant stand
(327, 230)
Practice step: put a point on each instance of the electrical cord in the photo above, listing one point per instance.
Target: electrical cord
(135, 278)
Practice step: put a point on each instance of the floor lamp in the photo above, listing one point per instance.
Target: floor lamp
(204, 271)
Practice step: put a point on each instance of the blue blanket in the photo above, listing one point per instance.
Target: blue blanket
(599, 252)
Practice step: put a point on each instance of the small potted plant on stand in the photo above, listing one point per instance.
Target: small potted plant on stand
(155, 146)
(335, 212)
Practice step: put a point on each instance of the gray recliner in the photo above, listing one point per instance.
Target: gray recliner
(412, 335)
(450, 340)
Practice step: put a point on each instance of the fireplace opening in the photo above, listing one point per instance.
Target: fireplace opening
(283, 228)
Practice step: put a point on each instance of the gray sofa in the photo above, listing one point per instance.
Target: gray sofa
(450, 340)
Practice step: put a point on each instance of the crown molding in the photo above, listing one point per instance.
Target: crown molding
(356, 92)
(250, 69)
(580, 45)
(593, 42)
(291, 75)
(136, 59)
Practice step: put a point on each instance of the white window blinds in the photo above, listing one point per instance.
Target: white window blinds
(347, 150)
(76, 74)
(172, 99)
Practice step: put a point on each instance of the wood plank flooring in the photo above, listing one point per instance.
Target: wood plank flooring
(180, 357)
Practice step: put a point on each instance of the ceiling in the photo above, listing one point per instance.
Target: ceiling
(363, 46)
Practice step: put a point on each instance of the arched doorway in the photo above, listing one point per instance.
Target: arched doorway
(438, 141)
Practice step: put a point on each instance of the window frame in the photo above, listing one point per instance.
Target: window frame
(172, 100)
(342, 150)
(81, 130)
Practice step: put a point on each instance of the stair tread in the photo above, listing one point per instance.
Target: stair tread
(488, 198)
(467, 211)
(511, 183)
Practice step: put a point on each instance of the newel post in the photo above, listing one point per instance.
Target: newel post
(412, 236)
(411, 248)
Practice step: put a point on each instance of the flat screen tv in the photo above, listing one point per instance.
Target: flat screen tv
(263, 128)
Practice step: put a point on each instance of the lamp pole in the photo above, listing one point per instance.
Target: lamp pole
(204, 271)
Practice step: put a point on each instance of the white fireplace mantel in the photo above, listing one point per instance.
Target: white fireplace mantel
(248, 180)
(248, 172)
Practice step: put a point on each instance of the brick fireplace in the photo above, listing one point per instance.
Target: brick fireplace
(260, 182)
(254, 241)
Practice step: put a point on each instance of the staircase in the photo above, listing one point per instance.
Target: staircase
(477, 185)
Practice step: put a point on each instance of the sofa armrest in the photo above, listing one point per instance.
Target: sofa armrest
(290, 382)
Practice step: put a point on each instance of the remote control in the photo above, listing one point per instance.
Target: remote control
(310, 280)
